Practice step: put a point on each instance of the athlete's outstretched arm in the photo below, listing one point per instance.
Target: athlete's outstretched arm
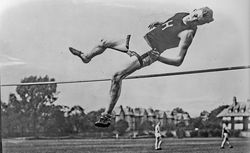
(185, 42)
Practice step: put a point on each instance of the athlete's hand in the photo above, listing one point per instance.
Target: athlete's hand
(154, 24)
(154, 54)
(131, 53)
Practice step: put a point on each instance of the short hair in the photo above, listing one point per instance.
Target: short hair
(207, 15)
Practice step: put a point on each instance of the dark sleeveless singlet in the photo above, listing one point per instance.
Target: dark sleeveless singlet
(165, 37)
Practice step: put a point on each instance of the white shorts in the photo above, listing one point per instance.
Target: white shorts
(157, 135)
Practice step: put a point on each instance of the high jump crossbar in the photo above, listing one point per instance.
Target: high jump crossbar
(134, 77)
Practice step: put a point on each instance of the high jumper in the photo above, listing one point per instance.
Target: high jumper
(177, 31)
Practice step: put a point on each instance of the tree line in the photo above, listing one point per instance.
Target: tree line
(32, 111)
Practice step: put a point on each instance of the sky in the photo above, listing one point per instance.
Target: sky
(35, 36)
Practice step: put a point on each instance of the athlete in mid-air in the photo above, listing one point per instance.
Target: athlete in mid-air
(177, 31)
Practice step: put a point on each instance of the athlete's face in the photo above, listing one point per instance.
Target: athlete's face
(194, 17)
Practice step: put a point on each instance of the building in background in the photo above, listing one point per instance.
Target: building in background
(136, 116)
(237, 115)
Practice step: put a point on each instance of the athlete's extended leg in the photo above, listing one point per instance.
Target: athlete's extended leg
(115, 91)
(119, 45)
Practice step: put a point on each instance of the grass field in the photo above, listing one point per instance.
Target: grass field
(188, 145)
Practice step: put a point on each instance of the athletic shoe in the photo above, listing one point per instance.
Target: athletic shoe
(79, 54)
(158, 149)
(104, 121)
(230, 146)
(221, 147)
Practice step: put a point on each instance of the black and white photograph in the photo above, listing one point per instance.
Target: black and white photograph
(124, 76)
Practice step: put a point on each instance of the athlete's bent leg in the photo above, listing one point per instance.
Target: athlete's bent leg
(116, 83)
(119, 45)
(115, 91)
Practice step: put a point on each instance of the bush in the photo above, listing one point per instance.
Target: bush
(194, 134)
(215, 132)
(203, 133)
(180, 132)
(169, 134)
(235, 133)
(121, 126)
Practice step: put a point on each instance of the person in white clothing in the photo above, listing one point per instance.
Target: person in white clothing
(158, 139)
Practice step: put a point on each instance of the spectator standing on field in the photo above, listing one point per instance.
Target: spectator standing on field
(225, 136)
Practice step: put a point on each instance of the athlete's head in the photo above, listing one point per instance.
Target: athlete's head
(199, 16)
